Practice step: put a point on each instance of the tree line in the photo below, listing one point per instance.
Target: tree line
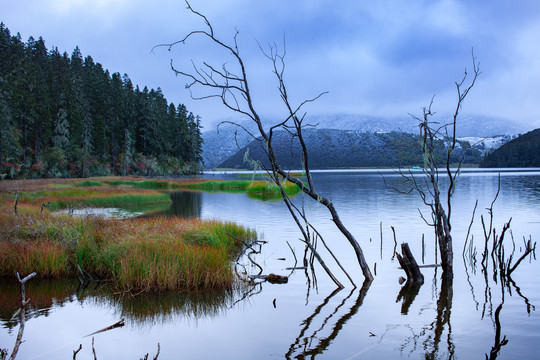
(523, 151)
(67, 116)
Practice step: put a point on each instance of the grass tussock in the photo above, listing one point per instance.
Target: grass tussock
(140, 254)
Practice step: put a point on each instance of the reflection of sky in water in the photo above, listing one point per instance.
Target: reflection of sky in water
(255, 329)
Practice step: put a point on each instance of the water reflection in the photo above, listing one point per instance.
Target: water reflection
(433, 343)
(146, 310)
(308, 343)
(185, 204)
(444, 309)
(43, 296)
(438, 320)
(142, 310)
(408, 293)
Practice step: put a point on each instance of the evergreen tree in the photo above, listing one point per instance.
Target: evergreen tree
(73, 115)
(61, 128)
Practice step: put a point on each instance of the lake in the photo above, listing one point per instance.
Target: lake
(307, 317)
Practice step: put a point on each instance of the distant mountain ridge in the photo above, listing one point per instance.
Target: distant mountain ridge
(523, 151)
(468, 125)
(334, 149)
(217, 147)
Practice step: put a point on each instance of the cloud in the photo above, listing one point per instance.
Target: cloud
(381, 57)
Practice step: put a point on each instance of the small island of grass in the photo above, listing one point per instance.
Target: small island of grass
(258, 189)
(137, 254)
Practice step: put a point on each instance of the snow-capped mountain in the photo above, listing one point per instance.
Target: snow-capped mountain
(484, 133)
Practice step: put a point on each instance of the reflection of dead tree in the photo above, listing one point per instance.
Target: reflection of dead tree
(432, 334)
(502, 269)
(233, 89)
(408, 293)
(444, 308)
(22, 313)
(307, 322)
(303, 345)
(432, 135)
(499, 343)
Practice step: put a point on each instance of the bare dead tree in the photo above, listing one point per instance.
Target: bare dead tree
(432, 193)
(22, 314)
(233, 89)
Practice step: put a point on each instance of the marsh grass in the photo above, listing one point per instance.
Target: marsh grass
(140, 254)
(87, 183)
(61, 198)
(124, 201)
(144, 184)
(261, 190)
(232, 186)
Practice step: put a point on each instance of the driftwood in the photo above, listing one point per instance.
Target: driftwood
(113, 326)
(409, 265)
(272, 278)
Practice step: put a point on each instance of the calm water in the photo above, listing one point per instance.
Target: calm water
(307, 317)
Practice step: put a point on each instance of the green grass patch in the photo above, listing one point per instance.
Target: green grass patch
(261, 190)
(144, 184)
(55, 193)
(156, 254)
(233, 186)
(86, 183)
(123, 201)
(270, 191)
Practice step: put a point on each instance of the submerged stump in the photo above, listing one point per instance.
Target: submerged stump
(409, 265)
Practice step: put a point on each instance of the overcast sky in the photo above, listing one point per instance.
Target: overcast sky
(383, 57)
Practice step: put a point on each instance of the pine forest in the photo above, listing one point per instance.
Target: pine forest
(67, 116)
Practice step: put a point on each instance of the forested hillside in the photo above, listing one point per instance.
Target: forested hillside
(64, 115)
(523, 151)
(332, 149)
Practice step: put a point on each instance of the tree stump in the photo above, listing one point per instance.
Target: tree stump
(409, 265)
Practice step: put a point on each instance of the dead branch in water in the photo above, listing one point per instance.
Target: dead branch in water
(22, 313)
(75, 352)
(229, 83)
(113, 326)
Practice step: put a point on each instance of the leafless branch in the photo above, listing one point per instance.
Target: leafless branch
(75, 352)
(235, 93)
